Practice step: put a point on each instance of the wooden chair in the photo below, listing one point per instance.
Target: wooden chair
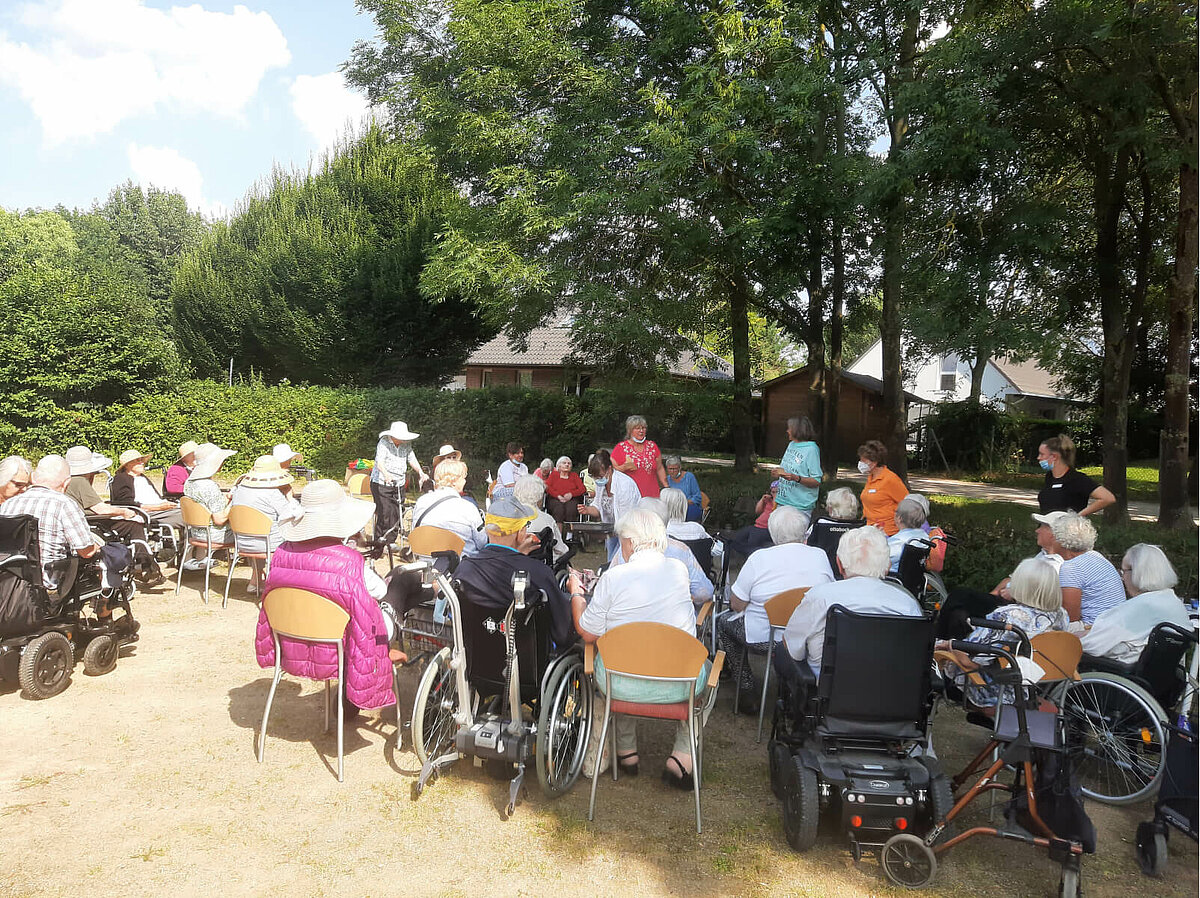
(308, 617)
(196, 515)
(246, 524)
(359, 485)
(703, 506)
(1057, 652)
(653, 652)
(427, 539)
(779, 610)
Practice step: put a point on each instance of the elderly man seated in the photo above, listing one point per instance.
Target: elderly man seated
(62, 528)
(445, 507)
(910, 519)
(699, 586)
(789, 564)
(531, 490)
(863, 559)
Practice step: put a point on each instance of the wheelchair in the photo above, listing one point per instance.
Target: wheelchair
(854, 744)
(42, 631)
(927, 587)
(162, 543)
(496, 695)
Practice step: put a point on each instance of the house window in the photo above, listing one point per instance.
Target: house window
(486, 378)
(949, 379)
(525, 378)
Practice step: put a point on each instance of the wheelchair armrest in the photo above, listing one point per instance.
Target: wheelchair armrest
(714, 673)
(589, 658)
(1106, 665)
(451, 559)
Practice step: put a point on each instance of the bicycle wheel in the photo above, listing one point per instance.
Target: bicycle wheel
(1116, 727)
(433, 726)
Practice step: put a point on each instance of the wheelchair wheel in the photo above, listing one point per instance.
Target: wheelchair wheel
(801, 806)
(433, 727)
(46, 665)
(1152, 848)
(779, 757)
(1117, 729)
(908, 862)
(564, 726)
(100, 655)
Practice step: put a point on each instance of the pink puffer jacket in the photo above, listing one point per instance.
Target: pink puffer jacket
(334, 571)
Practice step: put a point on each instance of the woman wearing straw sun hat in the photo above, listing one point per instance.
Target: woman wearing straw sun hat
(179, 472)
(131, 487)
(265, 488)
(393, 455)
(201, 487)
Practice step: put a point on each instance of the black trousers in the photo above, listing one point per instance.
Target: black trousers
(387, 510)
(960, 605)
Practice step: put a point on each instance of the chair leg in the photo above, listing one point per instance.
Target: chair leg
(187, 551)
(229, 577)
(341, 718)
(600, 756)
(208, 562)
(612, 750)
(737, 690)
(762, 702)
(328, 699)
(695, 763)
(262, 734)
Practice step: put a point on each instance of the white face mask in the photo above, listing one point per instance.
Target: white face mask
(864, 468)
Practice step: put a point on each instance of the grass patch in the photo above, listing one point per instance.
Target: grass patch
(1141, 478)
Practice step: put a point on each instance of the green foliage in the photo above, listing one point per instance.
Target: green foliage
(316, 278)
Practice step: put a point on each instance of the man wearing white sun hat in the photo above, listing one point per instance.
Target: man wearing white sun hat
(393, 456)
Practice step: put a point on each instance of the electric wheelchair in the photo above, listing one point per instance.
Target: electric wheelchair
(42, 631)
(854, 744)
(497, 695)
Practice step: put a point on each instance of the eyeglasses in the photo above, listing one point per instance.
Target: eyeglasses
(1126, 570)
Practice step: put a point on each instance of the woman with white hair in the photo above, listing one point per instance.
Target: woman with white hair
(530, 490)
(15, 476)
(1122, 632)
(544, 469)
(649, 587)
(1036, 607)
(445, 507)
(1090, 584)
(910, 516)
(640, 458)
(789, 564)
(840, 517)
(564, 490)
(678, 525)
(699, 584)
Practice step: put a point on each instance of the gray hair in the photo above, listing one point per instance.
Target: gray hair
(801, 429)
(1035, 583)
(634, 421)
(52, 471)
(863, 552)
(563, 458)
(529, 490)
(669, 460)
(650, 503)
(449, 472)
(1149, 569)
(842, 504)
(1074, 533)
(787, 524)
(11, 466)
(547, 464)
(910, 513)
(676, 503)
(643, 528)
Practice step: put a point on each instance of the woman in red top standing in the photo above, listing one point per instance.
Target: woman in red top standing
(639, 458)
(564, 489)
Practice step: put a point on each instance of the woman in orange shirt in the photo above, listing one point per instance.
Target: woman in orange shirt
(883, 490)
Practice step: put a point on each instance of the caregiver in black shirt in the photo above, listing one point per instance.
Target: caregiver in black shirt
(1067, 489)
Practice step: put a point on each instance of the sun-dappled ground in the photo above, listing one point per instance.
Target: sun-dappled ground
(144, 782)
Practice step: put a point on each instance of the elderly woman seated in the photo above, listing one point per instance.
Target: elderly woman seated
(840, 517)
(699, 585)
(745, 541)
(265, 489)
(649, 587)
(131, 486)
(1036, 607)
(910, 517)
(1121, 632)
(789, 564)
(1090, 584)
(445, 506)
(564, 491)
(690, 533)
(531, 490)
(16, 474)
(686, 483)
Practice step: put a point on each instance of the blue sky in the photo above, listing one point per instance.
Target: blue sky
(203, 98)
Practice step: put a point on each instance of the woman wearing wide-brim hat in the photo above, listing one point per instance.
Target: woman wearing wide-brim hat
(131, 487)
(201, 488)
(393, 456)
(265, 488)
(176, 476)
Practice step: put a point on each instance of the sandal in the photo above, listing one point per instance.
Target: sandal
(682, 781)
(627, 766)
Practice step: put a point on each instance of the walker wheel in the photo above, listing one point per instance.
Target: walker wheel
(1152, 848)
(908, 862)
(1068, 884)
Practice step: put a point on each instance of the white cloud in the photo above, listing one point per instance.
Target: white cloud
(167, 169)
(325, 106)
(94, 63)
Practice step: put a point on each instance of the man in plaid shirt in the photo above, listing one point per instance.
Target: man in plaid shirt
(62, 527)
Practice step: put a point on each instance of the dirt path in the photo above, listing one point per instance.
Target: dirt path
(144, 782)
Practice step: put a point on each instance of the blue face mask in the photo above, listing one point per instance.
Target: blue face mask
(599, 481)
(1045, 463)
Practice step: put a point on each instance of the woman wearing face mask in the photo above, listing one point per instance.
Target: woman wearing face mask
(883, 490)
(616, 493)
(1067, 489)
(640, 458)
(799, 470)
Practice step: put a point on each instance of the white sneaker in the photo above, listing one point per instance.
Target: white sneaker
(198, 564)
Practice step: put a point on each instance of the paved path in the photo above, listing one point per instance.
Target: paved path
(1138, 510)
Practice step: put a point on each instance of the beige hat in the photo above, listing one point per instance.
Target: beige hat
(283, 453)
(399, 431)
(1050, 517)
(447, 451)
(129, 456)
(188, 448)
(84, 461)
(209, 458)
(328, 512)
(267, 472)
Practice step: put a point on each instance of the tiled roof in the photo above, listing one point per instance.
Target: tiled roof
(1031, 379)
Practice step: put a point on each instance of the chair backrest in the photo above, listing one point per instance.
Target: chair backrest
(1057, 652)
(1159, 666)
(486, 645)
(301, 614)
(359, 485)
(246, 521)
(194, 514)
(704, 503)
(780, 606)
(19, 536)
(427, 539)
(702, 550)
(911, 569)
(875, 674)
(827, 534)
(652, 650)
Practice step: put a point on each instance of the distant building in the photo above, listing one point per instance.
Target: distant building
(544, 365)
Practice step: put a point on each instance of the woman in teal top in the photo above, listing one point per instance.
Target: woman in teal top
(799, 470)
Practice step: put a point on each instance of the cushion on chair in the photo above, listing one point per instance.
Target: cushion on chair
(672, 711)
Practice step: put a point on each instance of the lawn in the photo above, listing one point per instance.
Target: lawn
(1141, 478)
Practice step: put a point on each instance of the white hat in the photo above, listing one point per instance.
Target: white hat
(328, 512)
(84, 461)
(283, 453)
(447, 451)
(188, 448)
(399, 431)
(1050, 517)
(267, 472)
(209, 458)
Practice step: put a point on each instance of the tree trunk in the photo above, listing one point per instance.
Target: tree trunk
(831, 448)
(982, 357)
(743, 420)
(815, 342)
(1173, 498)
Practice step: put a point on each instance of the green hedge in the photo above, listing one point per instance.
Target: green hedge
(331, 426)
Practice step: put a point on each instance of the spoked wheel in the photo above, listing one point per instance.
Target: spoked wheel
(908, 862)
(564, 726)
(801, 806)
(1152, 848)
(433, 726)
(1117, 728)
(100, 655)
(780, 758)
(46, 665)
